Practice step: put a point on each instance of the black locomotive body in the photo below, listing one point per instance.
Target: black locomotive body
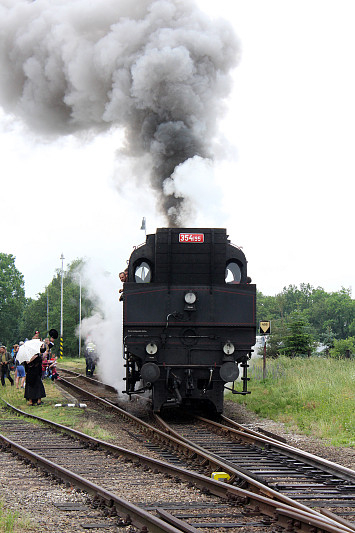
(188, 319)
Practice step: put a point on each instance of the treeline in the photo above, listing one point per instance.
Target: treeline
(20, 317)
(302, 318)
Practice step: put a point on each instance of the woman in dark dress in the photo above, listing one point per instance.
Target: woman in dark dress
(34, 389)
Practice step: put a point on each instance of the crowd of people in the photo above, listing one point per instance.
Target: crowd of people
(29, 375)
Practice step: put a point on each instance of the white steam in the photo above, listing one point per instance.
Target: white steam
(159, 69)
(104, 327)
(199, 192)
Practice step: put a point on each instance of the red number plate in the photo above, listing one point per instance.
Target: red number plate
(191, 237)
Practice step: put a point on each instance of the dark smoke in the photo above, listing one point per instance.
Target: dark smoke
(159, 69)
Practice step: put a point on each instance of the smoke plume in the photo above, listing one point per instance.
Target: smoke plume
(159, 69)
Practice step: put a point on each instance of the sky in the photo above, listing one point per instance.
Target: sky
(283, 177)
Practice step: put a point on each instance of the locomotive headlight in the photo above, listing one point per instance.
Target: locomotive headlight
(151, 348)
(229, 372)
(150, 372)
(190, 298)
(228, 348)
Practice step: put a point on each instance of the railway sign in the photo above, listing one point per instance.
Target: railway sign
(265, 327)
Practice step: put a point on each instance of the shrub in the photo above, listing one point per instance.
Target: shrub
(341, 346)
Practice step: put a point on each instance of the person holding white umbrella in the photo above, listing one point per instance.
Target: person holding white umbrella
(30, 354)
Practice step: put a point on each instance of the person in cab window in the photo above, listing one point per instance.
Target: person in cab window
(123, 277)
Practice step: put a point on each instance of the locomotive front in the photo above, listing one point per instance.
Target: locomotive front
(188, 318)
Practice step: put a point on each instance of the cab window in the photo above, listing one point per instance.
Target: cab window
(233, 273)
(143, 273)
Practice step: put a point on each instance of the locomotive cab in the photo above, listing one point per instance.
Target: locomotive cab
(188, 318)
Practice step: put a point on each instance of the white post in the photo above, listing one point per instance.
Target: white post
(61, 310)
(79, 315)
(47, 310)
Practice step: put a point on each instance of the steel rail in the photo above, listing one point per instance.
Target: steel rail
(140, 518)
(92, 381)
(191, 450)
(258, 439)
(247, 430)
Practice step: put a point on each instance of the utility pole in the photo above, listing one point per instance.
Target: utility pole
(79, 315)
(61, 309)
(47, 310)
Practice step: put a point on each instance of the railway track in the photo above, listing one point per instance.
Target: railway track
(177, 500)
(114, 476)
(320, 484)
(330, 494)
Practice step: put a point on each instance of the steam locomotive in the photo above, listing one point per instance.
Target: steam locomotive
(188, 318)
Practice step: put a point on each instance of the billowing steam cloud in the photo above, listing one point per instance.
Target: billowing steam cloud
(157, 68)
(104, 327)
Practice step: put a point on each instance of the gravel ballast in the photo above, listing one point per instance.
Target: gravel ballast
(38, 498)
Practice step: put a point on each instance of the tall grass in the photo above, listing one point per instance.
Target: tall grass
(313, 395)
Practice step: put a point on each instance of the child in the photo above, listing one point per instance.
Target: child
(53, 368)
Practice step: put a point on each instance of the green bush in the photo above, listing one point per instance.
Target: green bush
(339, 350)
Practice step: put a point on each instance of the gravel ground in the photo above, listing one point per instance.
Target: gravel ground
(38, 501)
(36, 497)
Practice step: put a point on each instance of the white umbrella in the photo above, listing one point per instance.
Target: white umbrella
(28, 350)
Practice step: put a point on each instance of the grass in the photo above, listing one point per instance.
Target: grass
(313, 395)
(74, 417)
(11, 522)
(8, 519)
(77, 364)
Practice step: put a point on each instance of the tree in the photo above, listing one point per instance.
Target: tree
(327, 339)
(266, 308)
(275, 341)
(34, 318)
(12, 299)
(341, 312)
(341, 346)
(322, 311)
(298, 342)
(35, 313)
